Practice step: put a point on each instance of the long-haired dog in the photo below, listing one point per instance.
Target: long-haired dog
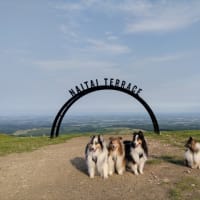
(192, 153)
(96, 154)
(136, 152)
(116, 156)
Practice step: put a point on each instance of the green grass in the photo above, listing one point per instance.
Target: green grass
(13, 144)
(175, 138)
(154, 161)
(186, 188)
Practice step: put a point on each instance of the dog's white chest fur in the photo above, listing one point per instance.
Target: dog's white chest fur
(114, 155)
(138, 153)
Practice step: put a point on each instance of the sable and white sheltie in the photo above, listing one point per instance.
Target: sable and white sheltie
(136, 152)
(116, 156)
(192, 153)
(96, 154)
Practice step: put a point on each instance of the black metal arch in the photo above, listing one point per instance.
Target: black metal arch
(61, 113)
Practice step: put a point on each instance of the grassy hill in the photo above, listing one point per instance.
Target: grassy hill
(14, 144)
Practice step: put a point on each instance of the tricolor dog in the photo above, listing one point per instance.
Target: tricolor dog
(96, 154)
(136, 152)
(192, 153)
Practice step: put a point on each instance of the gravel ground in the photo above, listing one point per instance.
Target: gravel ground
(58, 172)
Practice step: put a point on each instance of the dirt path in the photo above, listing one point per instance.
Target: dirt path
(58, 172)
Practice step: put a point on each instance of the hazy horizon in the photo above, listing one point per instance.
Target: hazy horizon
(77, 114)
(41, 124)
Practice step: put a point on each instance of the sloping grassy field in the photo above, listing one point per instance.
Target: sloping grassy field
(13, 144)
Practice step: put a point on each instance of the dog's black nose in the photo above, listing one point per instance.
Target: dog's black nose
(91, 149)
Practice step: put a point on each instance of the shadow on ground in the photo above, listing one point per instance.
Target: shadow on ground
(79, 164)
(170, 159)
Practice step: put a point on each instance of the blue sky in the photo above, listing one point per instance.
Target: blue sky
(48, 47)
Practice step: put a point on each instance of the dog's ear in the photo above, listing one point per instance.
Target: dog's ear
(100, 138)
(141, 133)
(120, 138)
(92, 138)
(189, 141)
(134, 133)
(110, 138)
(190, 138)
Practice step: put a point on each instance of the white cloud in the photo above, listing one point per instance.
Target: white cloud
(108, 48)
(165, 58)
(142, 16)
(153, 25)
(75, 64)
(134, 7)
(68, 31)
(164, 17)
(161, 59)
(110, 36)
(81, 5)
(70, 6)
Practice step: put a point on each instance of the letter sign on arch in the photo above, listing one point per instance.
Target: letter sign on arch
(95, 85)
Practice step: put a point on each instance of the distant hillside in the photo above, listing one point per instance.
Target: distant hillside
(41, 125)
(33, 132)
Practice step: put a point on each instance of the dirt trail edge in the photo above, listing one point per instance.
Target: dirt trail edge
(58, 172)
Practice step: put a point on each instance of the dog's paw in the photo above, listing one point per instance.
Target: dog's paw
(110, 173)
(120, 172)
(136, 173)
(105, 176)
(91, 176)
